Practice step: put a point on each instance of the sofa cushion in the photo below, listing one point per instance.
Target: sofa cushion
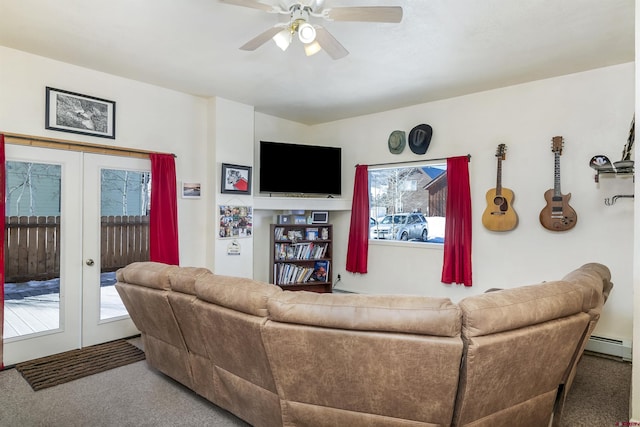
(184, 279)
(595, 282)
(390, 313)
(509, 309)
(237, 293)
(149, 274)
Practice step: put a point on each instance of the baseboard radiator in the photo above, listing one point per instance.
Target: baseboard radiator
(610, 346)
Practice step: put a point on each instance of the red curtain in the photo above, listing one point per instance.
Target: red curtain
(456, 267)
(358, 249)
(2, 207)
(163, 223)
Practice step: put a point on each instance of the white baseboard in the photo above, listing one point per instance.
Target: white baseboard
(610, 346)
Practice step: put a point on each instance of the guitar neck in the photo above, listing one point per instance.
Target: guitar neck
(499, 178)
(556, 177)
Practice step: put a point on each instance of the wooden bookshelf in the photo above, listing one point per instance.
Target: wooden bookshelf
(300, 257)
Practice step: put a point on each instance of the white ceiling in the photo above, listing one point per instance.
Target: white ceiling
(442, 48)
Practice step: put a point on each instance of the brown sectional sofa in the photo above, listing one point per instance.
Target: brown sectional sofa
(275, 357)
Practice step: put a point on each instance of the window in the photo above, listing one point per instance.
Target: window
(408, 203)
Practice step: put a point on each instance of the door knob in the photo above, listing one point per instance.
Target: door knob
(89, 262)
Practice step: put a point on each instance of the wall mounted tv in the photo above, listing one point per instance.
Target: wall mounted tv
(300, 169)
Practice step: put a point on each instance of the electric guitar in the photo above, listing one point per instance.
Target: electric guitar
(499, 214)
(557, 215)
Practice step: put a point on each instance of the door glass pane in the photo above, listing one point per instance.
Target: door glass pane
(124, 211)
(32, 248)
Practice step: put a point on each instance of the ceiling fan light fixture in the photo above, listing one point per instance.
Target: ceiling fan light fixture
(312, 48)
(306, 33)
(283, 39)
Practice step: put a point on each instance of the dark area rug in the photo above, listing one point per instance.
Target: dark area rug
(71, 365)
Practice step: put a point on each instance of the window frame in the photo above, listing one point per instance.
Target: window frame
(379, 218)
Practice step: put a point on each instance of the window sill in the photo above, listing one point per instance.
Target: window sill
(406, 244)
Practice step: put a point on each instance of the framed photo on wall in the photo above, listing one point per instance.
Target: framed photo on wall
(76, 113)
(191, 190)
(236, 179)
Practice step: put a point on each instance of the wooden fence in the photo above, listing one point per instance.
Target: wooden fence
(32, 245)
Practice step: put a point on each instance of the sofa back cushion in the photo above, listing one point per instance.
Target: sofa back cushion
(143, 288)
(357, 360)
(183, 285)
(510, 309)
(383, 313)
(236, 293)
(594, 280)
(183, 279)
(518, 345)
(148, 274)
(230, 313)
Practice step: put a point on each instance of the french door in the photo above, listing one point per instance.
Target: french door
(57, 206)
(116, 199)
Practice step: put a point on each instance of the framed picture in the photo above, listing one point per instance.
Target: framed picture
(236, 179)
(191, 190)
(320, 217)
(235, 221)
(72, 112)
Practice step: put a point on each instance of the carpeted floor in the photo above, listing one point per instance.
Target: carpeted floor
(600, 393)
(71, 365)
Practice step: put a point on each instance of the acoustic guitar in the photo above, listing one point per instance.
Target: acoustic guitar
(557, 215)
(499, 214)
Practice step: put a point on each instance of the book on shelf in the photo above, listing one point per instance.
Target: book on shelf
(281, 251)
(288, 274)
(312, 234)
(295, 235)
(299, 251)
(278, 233)
(291, 254)
(320, 271)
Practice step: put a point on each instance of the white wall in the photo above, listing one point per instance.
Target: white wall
(233, 144)
(591, 110)
(147, 117)
(634, 410)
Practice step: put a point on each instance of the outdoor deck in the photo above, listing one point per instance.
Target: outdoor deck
(39, 313)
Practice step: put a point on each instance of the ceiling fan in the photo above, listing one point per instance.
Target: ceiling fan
(313, 36)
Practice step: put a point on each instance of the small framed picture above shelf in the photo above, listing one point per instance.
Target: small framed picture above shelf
(301, 257)
(320, 217)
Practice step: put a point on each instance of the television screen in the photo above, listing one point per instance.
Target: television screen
(299, 168)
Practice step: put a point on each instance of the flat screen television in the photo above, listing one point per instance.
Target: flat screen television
(300, 169)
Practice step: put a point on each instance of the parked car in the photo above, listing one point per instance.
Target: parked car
(402, 226)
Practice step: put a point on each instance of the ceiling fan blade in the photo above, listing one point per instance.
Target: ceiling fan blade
(261, 39)
(253, 4)
(330, 44)
(364, 14)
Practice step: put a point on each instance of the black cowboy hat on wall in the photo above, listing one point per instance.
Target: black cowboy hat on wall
(420, 138)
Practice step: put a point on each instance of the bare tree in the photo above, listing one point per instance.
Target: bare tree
(390, 188)
(119, 185)
(33, 184)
